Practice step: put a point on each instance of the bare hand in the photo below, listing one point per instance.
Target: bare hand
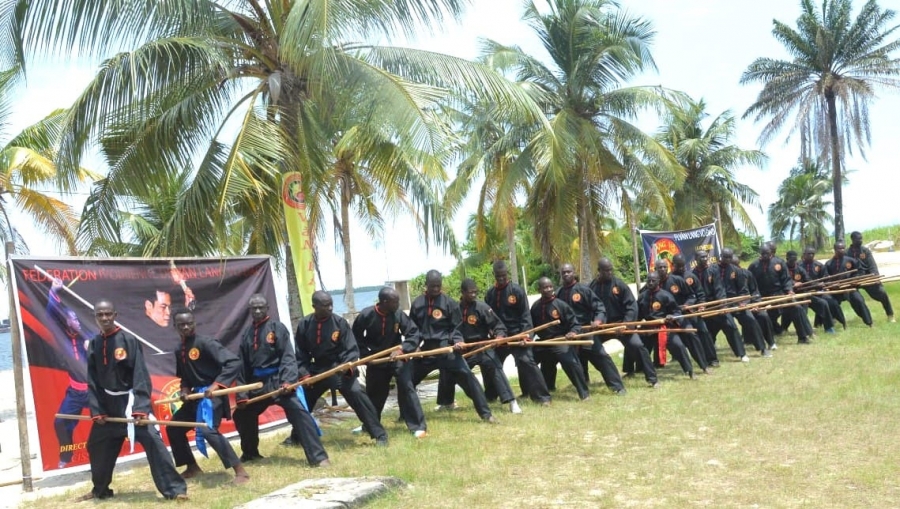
(241, 405)
(100, 419)
(596, 323)
(459, 346)
(56, 284)
(184, 395)
(570, 335)
(286, 389)
(208, 393)
(395, 354)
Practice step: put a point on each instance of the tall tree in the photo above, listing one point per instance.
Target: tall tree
(801, 205)
(709, 160)
(240, 92)
(837, 62)
(593, 152)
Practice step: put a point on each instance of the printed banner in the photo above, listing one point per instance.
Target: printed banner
(298, 234)
(55, 303)
(665, 245)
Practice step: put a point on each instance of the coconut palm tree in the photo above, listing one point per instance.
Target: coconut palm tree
(27, 174)
(801, 205)
(837, 64)
(593, 153)
(240, 91)
(709, 161)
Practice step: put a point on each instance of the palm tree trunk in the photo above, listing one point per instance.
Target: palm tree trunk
(349, 298)
(513, 258)
(836, 175)
(584, 271)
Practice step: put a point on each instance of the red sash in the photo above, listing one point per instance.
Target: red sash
(663, 339)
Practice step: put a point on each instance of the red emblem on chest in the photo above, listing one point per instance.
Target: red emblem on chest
(437, 314)
(120, 354)
(194, 354)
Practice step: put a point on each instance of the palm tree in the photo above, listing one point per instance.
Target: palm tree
(709, 161)
(240, 91)
(27, 173)
(592, 154)
(837, 63)
(801, 205)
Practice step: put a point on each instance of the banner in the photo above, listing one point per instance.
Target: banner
(298, 234)
(665, 245)
(55, 305)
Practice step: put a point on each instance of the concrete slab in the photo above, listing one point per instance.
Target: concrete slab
(329, 493)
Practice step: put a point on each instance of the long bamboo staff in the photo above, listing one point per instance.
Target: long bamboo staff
(139, 422)
(511, 338)
(714, 303)
(216, 393)
(568, 342)
(416, 355)
(821, 279)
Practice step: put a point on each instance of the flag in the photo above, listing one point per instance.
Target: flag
(297, 221)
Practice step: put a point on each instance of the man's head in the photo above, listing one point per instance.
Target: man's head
(259, 307)
(105, 314)
(72, 321)
(856, 239)
(765, 252)
(388, 300)
(567, 274)
(839, 249)
(772, 247)
(322, 305)
(678, 264)
(653, 281)
(501, 273)
(702, 258)
(159, 309)
(434, 282)
(184, 322)
(545, 287)
(726, 256)
(468, 291)
(662, 268)
(604, 270)
(791, 258)
(809, 254)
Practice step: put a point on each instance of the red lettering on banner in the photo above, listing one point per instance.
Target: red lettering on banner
(63, 274)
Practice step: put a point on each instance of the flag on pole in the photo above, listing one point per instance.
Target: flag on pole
(298, 234)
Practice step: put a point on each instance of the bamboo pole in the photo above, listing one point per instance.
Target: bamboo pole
(511, 338)
(18, 374)
(568, 342)
(215, 394)
(416, 355)
(138, 422)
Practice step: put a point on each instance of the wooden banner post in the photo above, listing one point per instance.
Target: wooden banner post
(18, 375)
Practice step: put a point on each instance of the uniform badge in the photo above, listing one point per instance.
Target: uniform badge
(554, 314)
(615, 290)
(270, 338)
(862, 256)
(396, 328)
(120, 354)
(472, 319)
(673, 288)
(656, 306)
(194, 354)
(818, 269)
(797, 277)
(576, 297)
(511, 299)
(437, 314)
(335, 335)
(849, 265)
(777, 267)
(734, 275)
(690, 281)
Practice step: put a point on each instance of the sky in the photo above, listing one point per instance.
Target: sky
(701, 48)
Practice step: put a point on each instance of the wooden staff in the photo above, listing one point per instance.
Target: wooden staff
(511, 338)
(848, 281)
(306, 381)
(416, 355)
(139, 422)
(657, 331)
(568, 342)
(779, 306)
(216, 393)
(821, 279)
(716, 303)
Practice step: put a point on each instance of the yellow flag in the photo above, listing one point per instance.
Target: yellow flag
(298, 234)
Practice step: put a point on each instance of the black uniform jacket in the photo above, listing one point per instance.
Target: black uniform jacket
(376, 331)
(584, 302)
(116, 364)
(617, 298)
(555, 309)
(267, 356)
(510, 304)
(437, 318)
(480, 322)
(771, 277)
(323, 344)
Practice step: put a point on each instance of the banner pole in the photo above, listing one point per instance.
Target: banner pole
(719, 226)
(18, 376)
(637, 260)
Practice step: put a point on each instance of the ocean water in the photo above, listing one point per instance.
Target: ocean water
(362, 299)
(5, 351)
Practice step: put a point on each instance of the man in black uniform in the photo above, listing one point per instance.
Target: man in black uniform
(840, 263)
(203, 365)
(816, 270)
(762, 316)
(800, 278)
(378, 328)
(679, 268)
(655, 304)
(868, 266)
(479, 323)
(684, 296)
(324, 341)
(714, 290)
(547, 309)
(735, 284)
(437, 317)
(119, 386)
(266, 355)
(772, 280)
(618, 301)
(510, 304)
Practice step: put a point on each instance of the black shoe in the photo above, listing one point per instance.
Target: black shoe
(803, 341)
(622, 392)
(490, 419)
(628, 375)
(381, 442)
(690, 374)
(245, 458)
(289, 442)
(714, 364)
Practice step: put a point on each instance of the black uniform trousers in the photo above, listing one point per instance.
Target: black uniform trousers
(692, 342)
(531, 382)
(765, 327)
(791, 315)
(707, 343)
(725, 323)
(378, 385)
(636, 356)
(303, 427)
(564, 355)
(675, 345)
(354, 395)
(858, 303)
(877, 293)
(181, 450)
(105, 442)
(822, 310)
(491, 369)
(454, 364)
(751, 329)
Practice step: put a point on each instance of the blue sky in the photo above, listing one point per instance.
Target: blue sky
(701, 48)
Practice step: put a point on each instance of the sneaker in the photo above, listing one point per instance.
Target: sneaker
(381, 442)
(891, 319)
(322, 464)
(514, 407)
(622, 392)
(446, 408)
(490, 419)
(714, 364)
(357, 430)
(420, 433)
(689, 374)
(774, 346)
(545, 403)
(62, 464)
(803, 341)
(767, 353)
(628, 375)
(745, 359)
(654, 385)
(246, 458)
(707, 371)
(587, 397)
(829, 331)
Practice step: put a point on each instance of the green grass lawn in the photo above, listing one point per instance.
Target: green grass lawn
(815, 426)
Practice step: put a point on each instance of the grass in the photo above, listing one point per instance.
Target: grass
(813, 427)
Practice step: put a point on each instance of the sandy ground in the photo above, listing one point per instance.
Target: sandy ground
(12, 495)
